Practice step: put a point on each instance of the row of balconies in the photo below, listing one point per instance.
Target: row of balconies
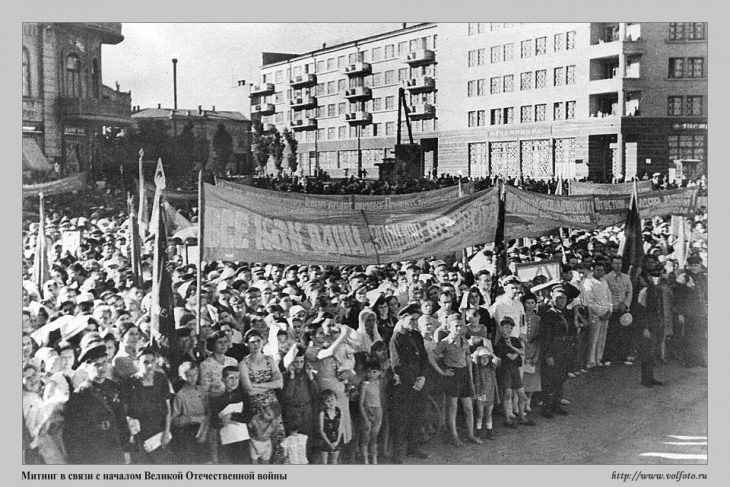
(414, 58)
(417, 112)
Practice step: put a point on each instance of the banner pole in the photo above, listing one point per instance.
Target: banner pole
(199, 280)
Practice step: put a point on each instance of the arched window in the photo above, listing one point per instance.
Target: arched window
(26, 73)
(73, 76)
(95, 79)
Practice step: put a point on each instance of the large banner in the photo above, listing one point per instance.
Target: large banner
(530, 214)
(170, 194)
(588, 188)
(251, 224)
(65, 185)
(612, 210)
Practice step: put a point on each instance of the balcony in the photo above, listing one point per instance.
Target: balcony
(420, 57)
(422, 111)
(304, 124)
(303, 81)
(358, 69)
(634, 46)
(608, 85)
(421, 84)
(360, 93)
(264, 109)
(303, 102)
(96, 110)
(262, 89)
(359, 118)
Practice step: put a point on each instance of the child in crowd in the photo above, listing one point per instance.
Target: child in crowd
(260, 429)
(371, 412)
(298, 395)
(379, 354)
(485, 386)
(295, 446)
(510, 351)
(330, 428)
(190, 418)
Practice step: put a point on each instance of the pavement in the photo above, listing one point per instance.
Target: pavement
(613, 421)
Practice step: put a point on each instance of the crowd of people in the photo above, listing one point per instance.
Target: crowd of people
(332, 364)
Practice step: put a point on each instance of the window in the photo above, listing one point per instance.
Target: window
(570, 75)
(310, 136)
(377, 54)
(540, 78)
(341, 107)
(73, 76)
(403, 74)
(296, 72)
(331, 110)
(471, 88)
(364, 56)
(341, 85)
(472, 58)
(402, 47)
(508, 83)
(481, 53)
(526, 80)
(509, 115)
(331, 87)
(340, 62)
(481, 118)
(674, 105)
(480, 87)
(509, 51)
(352, 58)
(320, 66)
(320, 89)
(496, 54)
(279, 76)
(558, 110)
(676, 31)
(526, 48)
(558, 42)
(696, 67)
(686, 147)
(342, 132)
(331, 64)
(471, 119)
(540, 46)
(495, 116)
(540, 112)
(377, 129)
(320, 134)
(389, 51)
(570, 40)
(495, 85)
(676, 67)
(26, 73)
(331, 133)
(389, 128)
(278, 97)
(321, 111)
(473, 28)
(526, 114)
(414, 44)
(558, 76)
(694, 106)
(569, 110)
(389, 77)
(389, 102)
(696, 31)
(377, 104)
(377, 79)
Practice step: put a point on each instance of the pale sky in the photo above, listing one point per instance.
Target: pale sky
(211, 58)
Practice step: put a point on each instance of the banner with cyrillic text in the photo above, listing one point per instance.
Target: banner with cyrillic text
(612, 209)
(65, 185)
(577, 188)
(251, 224)
(529, 214)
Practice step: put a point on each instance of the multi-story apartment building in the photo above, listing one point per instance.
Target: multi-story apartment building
(65, 103)
(341, 101)
(600, 99)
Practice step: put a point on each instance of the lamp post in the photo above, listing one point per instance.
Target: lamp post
(174, 110)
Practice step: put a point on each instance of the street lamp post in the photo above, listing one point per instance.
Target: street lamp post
(174, 110)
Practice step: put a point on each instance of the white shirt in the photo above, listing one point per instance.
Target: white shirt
(597, 296)
(503, 306)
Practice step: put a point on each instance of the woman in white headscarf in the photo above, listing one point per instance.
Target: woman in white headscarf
(367, 331)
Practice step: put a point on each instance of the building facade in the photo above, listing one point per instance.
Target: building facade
(206, 125)
(65, 104)
(603, 100)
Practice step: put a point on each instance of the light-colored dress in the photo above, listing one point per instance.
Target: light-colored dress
(261, 373)
(326, 378)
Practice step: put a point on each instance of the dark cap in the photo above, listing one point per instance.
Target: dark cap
(694, 259)
(413, 308)
(93, 350)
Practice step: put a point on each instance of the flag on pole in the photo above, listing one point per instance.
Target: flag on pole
(679, 230)
(40, 266)
(134, 242)
(162, 319)
(143, 214)
(500, 251)
(160, 185)
(632, 247)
